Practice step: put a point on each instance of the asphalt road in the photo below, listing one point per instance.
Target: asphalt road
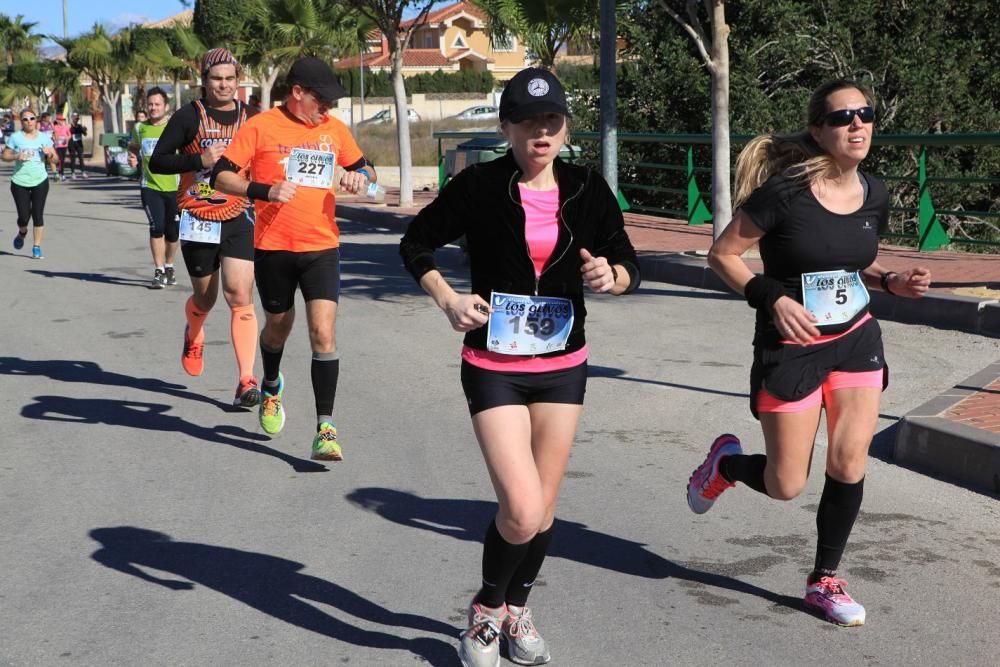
(144, 522)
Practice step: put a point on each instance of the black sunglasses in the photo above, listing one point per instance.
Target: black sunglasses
(27, 119)
(323, 104)
(843, 117)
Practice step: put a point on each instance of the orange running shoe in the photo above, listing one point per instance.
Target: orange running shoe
(191, 357)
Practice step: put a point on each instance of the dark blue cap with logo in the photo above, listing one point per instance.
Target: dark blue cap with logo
(532, 91)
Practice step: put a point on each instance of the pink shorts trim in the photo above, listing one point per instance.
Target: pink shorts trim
(509, 363)
(767, 402)
(827, 338)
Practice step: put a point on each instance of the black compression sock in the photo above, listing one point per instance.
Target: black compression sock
(838, 508)
(524, 578)
(746, 468)
(500, 560)
(271, 359)
(325, 372)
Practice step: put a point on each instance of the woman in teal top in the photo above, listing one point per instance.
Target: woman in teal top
(29, 150)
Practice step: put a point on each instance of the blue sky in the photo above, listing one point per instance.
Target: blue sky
(84, 13)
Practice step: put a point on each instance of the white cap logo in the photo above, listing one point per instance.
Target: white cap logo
(538, 87)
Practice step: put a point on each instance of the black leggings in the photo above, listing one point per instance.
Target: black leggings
(75, 153)
(61, 152)
(30, 203)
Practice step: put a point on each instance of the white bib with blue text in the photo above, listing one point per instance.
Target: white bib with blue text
(196, 229)
(526, 325)
(834, 297)
(313, 169)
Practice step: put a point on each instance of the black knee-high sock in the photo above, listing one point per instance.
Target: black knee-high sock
(838, 508)
(325, 371)
(524, 577)
(271, 358)
(500, 561)
(746, 468)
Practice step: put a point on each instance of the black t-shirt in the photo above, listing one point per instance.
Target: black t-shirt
(77, 132)
(181, 130)
(801, 236)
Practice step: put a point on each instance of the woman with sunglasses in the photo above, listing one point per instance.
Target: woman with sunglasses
(816, 218)
(29, 150)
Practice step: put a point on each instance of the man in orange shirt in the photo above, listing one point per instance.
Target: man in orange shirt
(291, 152)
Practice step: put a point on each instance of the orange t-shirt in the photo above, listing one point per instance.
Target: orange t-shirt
(264, 144)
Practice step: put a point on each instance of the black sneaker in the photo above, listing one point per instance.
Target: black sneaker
(169, 273)
(159, 280)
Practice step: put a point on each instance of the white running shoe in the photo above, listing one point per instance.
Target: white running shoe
(524, 645)
(479, 644)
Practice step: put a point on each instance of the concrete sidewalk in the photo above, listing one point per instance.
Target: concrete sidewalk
(955, 435)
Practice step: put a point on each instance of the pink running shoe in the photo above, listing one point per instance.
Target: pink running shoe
(828, 597)
(707, 483)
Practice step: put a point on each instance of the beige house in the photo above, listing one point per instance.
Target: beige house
(451, 39)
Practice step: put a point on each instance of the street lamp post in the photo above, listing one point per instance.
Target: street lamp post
(609, 118)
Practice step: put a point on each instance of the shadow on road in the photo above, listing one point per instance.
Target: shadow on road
(89, 372)
(153, 417)
(94, 278)
(271, 585)
(467, 520)
(619, 374)
(687, 294)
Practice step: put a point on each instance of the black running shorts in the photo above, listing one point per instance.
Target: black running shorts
(279, 272)
(485, 389)
(792, 372)
(161, 211)
(236, 241)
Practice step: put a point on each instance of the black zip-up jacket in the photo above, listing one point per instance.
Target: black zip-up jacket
(483, 202)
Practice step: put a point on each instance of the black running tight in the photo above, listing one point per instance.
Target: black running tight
(30, 203)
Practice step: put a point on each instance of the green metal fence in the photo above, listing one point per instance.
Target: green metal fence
(676, 186)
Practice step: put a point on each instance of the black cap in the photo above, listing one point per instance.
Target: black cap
(532, 91)
(317, 76)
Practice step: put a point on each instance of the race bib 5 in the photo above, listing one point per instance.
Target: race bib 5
(834, 297)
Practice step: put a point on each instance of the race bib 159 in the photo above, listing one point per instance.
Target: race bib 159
(526, 325)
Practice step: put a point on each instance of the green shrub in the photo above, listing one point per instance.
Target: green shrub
(379, 84)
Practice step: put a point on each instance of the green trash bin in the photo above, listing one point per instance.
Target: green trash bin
(485, 149)
(116, 154)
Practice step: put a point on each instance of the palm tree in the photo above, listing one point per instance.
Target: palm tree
(16, 38)
(188, 49)
(145, 53)
(105, 61)
(18, 44)
(387, 16)
(544, 26)
(278, 33)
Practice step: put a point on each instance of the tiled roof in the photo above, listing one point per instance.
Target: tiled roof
(184, 18)
(412, 58)
(439, 15)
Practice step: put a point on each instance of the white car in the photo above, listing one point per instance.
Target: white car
(483, 112)
(387, 116)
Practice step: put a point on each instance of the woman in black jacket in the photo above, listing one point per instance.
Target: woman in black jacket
(537, 229)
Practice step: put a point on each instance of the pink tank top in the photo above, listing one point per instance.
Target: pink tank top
(541, 223)
(541, 230)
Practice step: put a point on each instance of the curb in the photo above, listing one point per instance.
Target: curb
(927, 441)
(943, 311)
